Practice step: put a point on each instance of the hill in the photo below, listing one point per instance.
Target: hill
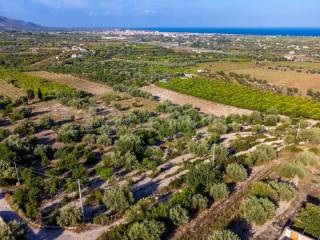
(12, 24)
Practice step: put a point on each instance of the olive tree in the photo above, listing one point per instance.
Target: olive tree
(118, 198)
(146, 230)
(12, 231)
(223, 235)
(236, 172)
(178, 215)
(258, 210)
(69, 216)
(219, 191)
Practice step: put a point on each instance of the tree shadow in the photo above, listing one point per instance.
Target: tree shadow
(242, 228)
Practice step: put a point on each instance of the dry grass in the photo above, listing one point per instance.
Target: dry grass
(11, 91)
(78, 83)
(290, 78)
(302, 81)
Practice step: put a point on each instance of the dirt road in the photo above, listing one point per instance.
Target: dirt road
(52, 234)
(204, 105)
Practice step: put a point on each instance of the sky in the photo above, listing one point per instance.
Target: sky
(165, 13)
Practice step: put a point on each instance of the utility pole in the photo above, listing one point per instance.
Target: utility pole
(298, 131)
(213, 153)
(15, 166)
(80, 196)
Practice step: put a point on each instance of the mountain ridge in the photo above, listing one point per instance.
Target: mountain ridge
(13, 24)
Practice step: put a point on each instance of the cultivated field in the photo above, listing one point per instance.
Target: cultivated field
(81, 84)
(203, 105)
(288, 78)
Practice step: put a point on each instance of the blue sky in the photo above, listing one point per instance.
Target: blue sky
(165, 13)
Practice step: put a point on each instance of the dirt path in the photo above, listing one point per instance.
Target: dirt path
(273, 229)
(78, 83)
(34, 233)
(204, 105)
(203, 224)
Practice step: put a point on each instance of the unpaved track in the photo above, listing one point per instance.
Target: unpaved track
(204, 105)
(78, 83)
(202, 225)
(53, 234)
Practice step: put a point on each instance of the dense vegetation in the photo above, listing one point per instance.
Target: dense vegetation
(244, 97)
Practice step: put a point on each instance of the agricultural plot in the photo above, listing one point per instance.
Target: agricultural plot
(244, 97)
(204, 105)
(27, 82)
(69, 80)
(284, 74)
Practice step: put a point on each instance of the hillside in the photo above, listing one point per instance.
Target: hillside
(11, 24)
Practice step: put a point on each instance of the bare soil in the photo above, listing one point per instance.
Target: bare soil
(203, 105)
(11, 91)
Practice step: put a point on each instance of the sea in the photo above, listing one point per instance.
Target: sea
(312, 32)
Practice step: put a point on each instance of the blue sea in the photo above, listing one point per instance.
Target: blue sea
(314, 32)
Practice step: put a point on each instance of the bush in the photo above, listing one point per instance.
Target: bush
(137, 212)
(308, 220)
(236, 172)
(264, 190)
(199, 202)
(146, 230)
(310, 135)
(69, 216)
(271, 120)
(307, 158)
(219, 191)
(116, 233)
(258, 210)
(285, 190)
(118, 199)
(290, 170)
(261, 154)
(223, 235)
(12, 231)
(25, 127)
(178, 215)
(46, 122)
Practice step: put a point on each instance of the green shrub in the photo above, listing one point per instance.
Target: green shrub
(199, 202)
(261, 154)
(223, 235)
(178, 215)
(118, 199)
(290, 170)
(146, 230)
(236, 172)
(307, 158)
(258, 210)
(69, 216)
(219, 191)
(308, 220)
(12, 231)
